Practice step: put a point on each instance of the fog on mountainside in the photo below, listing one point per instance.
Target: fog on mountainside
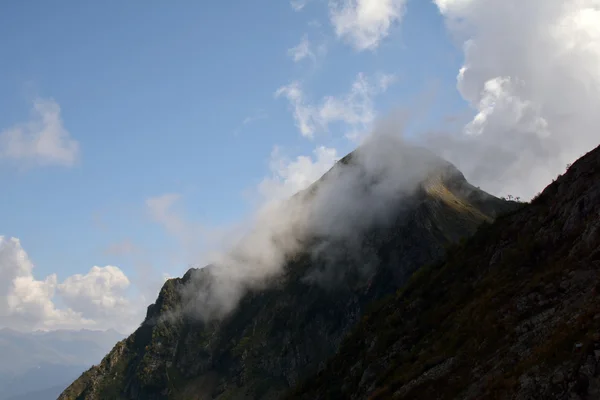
(363, 190)
(270, 310)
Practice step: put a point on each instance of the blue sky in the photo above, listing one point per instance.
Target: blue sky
(175, 110)
(156, 95)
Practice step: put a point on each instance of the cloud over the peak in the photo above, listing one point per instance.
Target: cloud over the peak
(43, 140)
(291, 176)
(532, 74)
(95, 300)
(364, 23)
(356, 109)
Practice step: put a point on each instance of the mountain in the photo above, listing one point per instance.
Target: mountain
(39, 360)
(284, 329)
(513, 313)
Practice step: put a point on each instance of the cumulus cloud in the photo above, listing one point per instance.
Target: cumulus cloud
(355, 109)
(364, 23)
(41, 141)
(95, 300)
(532, 74)
(100, 294)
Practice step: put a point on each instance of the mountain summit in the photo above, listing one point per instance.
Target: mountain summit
(253, 325)
(512, 313)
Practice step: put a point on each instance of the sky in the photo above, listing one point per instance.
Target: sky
(132, 134)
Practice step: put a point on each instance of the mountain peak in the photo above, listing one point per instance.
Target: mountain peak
(362, 230)
(512, 312)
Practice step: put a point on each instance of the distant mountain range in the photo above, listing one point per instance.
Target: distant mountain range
(38, 365)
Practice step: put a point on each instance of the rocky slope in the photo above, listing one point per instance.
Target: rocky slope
(513, 313)
(284, 331)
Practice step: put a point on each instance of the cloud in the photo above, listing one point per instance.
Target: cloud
(531, 72)
(41, 141)
(302, 50)
(291, 176)
(298, 5)
(354, 109)
(99, 294)
(303, 113)
(364, 23)
(95, 300)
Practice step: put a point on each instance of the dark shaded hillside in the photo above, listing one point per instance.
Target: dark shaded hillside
(285, 332)
(513, 313)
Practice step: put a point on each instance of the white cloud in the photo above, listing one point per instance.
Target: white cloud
(41, 141)
(447, 6)
(302, 50)
(354, 109)
(99, 294)
(95, 300)
(364, 23)
(298, 5)
(532, 73)
(291, 176)
(303, 113)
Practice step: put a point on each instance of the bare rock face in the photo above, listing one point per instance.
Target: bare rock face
(512, 313)
(285, 329)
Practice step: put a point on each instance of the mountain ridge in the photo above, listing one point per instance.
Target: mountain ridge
(512, 313)
(284, 330)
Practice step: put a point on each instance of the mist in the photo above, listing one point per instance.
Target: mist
(365, 189)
